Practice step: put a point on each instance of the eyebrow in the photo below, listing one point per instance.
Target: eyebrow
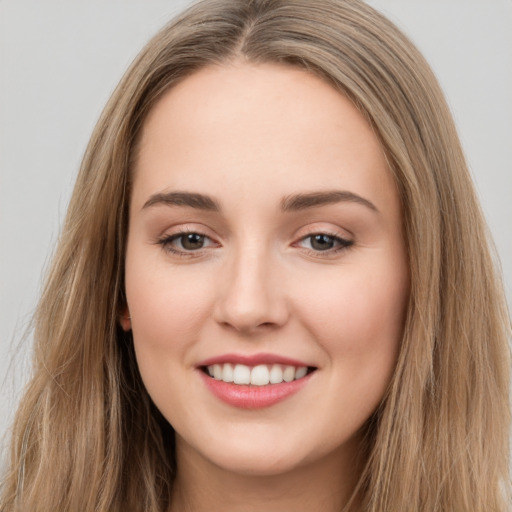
(292, 203)
(304, 201)
(190, 199)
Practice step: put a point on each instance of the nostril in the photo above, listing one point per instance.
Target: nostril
(267, 324)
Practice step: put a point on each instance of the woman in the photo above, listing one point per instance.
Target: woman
(275, 195)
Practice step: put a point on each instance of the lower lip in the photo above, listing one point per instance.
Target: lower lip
(253, 397)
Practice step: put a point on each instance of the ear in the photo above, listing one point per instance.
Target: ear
(125, 320)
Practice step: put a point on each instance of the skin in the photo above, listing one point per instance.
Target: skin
(250, 137)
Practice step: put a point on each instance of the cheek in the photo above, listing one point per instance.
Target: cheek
(167, 309)
(357, 316)
(168, 313)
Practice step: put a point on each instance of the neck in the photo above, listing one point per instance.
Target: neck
(324, 485)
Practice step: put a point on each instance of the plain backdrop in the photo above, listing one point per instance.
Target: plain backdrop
(60, 60)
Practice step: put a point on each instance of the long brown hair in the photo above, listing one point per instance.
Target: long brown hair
(86, 435)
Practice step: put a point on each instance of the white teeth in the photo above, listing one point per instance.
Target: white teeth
(217, 371)
(301, 372)
(276, 374)
(242, 374)
(227, 373)
(260, 375)
(289, 373)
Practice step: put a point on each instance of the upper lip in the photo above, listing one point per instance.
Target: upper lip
(252, 360)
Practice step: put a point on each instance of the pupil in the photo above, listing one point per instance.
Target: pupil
(322, 242)
(192, 241)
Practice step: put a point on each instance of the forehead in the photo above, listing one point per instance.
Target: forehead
(258, 127)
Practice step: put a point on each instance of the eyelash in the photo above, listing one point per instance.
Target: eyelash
(166, 243)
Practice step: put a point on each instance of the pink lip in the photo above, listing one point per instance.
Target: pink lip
(253, 397)
(251, 360)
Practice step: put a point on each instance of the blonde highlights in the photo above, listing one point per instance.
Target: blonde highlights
(87, 436)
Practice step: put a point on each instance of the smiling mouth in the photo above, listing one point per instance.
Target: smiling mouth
(259, 375)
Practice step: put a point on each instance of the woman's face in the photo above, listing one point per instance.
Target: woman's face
(265, 245)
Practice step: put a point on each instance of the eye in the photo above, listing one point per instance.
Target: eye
(323, 242)
(186, 242)
(190, 241)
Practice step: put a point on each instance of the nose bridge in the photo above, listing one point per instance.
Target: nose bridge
(251, 295)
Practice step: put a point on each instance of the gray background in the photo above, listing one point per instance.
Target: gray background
(60, 60)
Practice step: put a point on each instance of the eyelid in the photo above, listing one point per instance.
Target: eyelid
(184, 228)
(323, 228)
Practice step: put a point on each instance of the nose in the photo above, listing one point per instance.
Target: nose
(251, 295)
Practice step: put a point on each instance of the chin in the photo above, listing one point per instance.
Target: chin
(261, 454)
(260, 464)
